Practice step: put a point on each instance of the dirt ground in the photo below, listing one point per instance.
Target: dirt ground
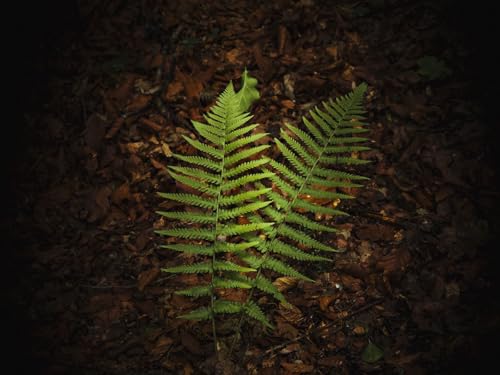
(103, 91)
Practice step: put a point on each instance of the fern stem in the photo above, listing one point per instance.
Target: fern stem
(269, 241)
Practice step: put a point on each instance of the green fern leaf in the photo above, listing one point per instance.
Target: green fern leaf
(199, 160)
(202, 313)
(191, 199)
(289, 251)
(188, 216)
(301, 237)
(189, 233)
(242, 197)
(197, 173)
(191, 249)
(243, 167)
(238, 211)
(236, 229)
(252, 310)
(304, 221)
(204, 148)
(227, 307)
(204, 267)
(197, 291)
(248, 93)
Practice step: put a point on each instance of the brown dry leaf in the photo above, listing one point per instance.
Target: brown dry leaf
(233, 55)
(332, 361)
(288, 104)
(115, 128)
(375, 232)
(100, 205)
(173, 89)
(150, 124)
(157, 165)
(138, 103)
(147, 277)
(290, 348)
(264, 63)
(359, 330)
(297, 368)
(286, 330)
(162, 345)
(96, 128)
(166, 150)
(291, 313)
(120, 194)
(285, 283)
(191, 343)
(394, 263)
(283, 37)
(325, 301)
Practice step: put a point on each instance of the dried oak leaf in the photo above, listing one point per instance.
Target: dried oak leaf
(297, 368)
(147, 277)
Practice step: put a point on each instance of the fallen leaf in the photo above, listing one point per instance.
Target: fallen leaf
(191, 343)
(95, 130)
(138, 103)
(372, 353)
(233, 55)
(120, 194)
(147, 277)
(325, 301)
(162, 345)
(297, 368)
(173, 89)
(285, 283)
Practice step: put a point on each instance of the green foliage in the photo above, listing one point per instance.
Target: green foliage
(223, 167)
(275, 198)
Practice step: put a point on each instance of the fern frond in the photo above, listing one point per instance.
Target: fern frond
(242, 197)
(195, 184)
(241, 131)
(199, 160)
(224, 167)
(204, 267)
(244, 141)
(190, 249)
(212, 151)
(253, 310)
(202, 313)
(301, 237)
(196, 291)
(289, 251)
(191, 199)
(304, 221)
(240, 181)
(227, 307)
(264, 284)
(236, 229)
(244, 154)
(188, 216)
(283, 268)
(188, 233)
(197, 173)
(238, 211)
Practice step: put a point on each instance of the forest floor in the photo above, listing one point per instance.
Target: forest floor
(105, 103)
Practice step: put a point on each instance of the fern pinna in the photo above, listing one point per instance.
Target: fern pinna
(309, 172)
(222, 177)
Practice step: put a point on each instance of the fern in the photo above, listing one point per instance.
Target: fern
(222, 168)
(308, 171)
(276, 197)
